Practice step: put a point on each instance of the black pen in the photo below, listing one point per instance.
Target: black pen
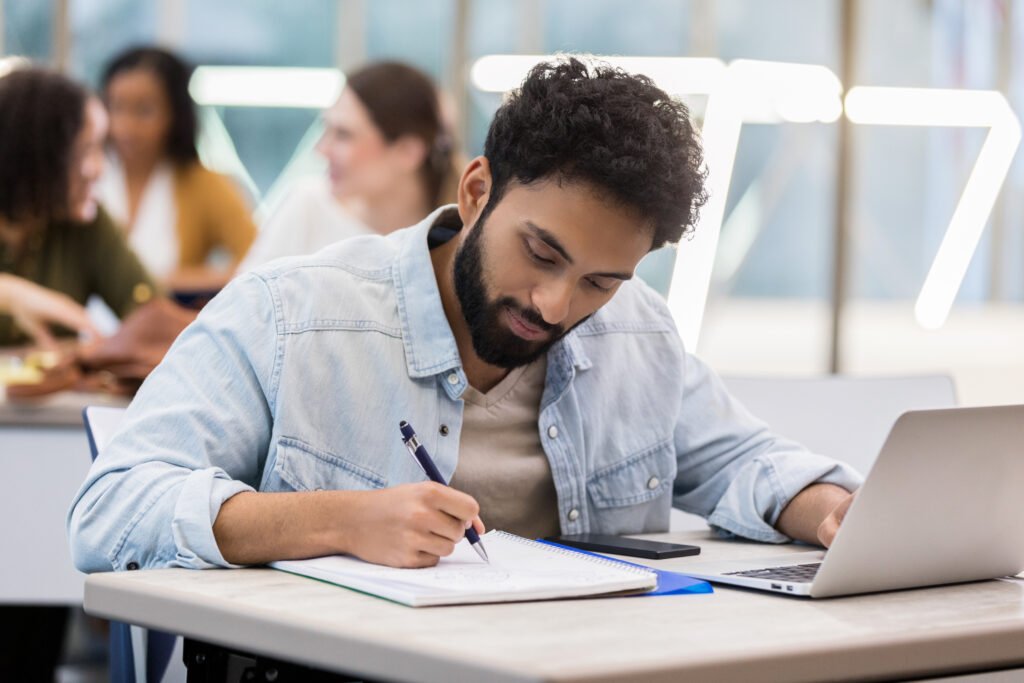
(419, 452)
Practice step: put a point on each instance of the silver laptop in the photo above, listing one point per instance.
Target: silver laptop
(942, 504)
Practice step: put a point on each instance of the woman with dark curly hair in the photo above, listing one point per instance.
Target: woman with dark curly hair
(57, 246)
(177, 213)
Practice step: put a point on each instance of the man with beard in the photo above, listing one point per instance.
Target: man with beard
(549, 385)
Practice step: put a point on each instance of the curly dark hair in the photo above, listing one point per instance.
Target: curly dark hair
(41, 114)
(174, 74)
(589, 122)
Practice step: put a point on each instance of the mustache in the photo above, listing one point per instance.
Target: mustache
(529, 315)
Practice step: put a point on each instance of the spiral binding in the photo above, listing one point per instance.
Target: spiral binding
(595, 559)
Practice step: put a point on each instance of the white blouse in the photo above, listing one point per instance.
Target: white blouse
(154, 235)
(307, 220)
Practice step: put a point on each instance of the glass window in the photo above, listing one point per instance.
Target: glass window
(28, 29)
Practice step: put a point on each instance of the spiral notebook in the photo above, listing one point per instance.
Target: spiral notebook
(520, 569)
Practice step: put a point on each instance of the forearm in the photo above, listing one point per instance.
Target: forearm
(256, 528)
(803, 515)
(410, 525)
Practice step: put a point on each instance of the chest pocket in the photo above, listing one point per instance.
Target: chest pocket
(305, 468)
(640, 478)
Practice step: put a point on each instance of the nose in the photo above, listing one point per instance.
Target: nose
(92, 166)
(553, 300)
(321, 145)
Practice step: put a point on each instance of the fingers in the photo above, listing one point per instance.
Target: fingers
(413, 525)
(64, 311)
(36, 329)
(38, 307)
(438, 546)
(828, 530)
(459, 505)
(829, 527)
(446, 526)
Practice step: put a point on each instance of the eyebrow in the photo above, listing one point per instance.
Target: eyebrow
(555, 244)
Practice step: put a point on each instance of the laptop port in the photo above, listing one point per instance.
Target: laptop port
(776, 586)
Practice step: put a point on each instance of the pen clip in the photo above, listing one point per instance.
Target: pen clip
(412, 444)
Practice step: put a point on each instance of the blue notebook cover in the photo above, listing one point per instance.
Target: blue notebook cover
(669, 583)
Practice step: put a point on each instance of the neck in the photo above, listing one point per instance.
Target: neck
(482, 376)
(404, 204)
(139, 169)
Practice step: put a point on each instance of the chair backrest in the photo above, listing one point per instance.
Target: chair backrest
(846, 418)
(137, 655)
(100, 424)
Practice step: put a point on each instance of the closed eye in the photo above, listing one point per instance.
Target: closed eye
(534, 256)
(598, 286)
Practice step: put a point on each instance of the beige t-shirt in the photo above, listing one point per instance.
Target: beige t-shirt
(501, 461)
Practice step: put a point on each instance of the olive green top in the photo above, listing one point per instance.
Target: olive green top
(78, 259)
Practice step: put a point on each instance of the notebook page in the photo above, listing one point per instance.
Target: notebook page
(520, 569)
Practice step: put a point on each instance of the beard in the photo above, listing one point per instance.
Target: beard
(493, 342)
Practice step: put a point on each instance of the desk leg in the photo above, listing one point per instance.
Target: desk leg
(208, 663)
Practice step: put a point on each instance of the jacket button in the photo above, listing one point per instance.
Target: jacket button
(453, 378)
(653, 482)
(553, 432)
(574, 514)
(132, 566)
(443, 430)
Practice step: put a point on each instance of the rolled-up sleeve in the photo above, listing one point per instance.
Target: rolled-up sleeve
(733, 470)
(196, 434)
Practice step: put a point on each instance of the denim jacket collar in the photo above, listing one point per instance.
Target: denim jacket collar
(429, 343)
(430, 347)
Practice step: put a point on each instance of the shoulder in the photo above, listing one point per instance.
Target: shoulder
(309, 208)
(309, 189)
(635, 308)
(102, 228)
(362, 258)
(197, 181)
(348, 283)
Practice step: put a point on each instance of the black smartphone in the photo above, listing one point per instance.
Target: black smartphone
(620, 545)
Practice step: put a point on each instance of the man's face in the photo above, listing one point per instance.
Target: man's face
(543, 261)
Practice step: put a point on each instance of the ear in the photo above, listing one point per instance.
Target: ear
(411, 152)
(474, 190)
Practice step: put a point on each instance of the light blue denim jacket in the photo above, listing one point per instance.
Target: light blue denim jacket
(296, 376)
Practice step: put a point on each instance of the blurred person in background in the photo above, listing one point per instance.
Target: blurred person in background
(391, 160)
(57, 247)
(177, 213)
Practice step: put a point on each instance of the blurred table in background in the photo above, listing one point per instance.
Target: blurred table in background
(44, 457)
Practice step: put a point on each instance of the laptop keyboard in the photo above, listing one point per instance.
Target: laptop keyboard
(797, 573)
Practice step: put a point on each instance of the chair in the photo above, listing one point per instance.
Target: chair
(137, 655)
(843, 417)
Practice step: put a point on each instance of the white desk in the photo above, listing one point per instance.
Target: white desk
(44, 456)
(731, 635)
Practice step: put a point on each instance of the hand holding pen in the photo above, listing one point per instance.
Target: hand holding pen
(419, 453)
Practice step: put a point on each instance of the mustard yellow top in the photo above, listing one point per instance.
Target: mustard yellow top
(211, 213)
